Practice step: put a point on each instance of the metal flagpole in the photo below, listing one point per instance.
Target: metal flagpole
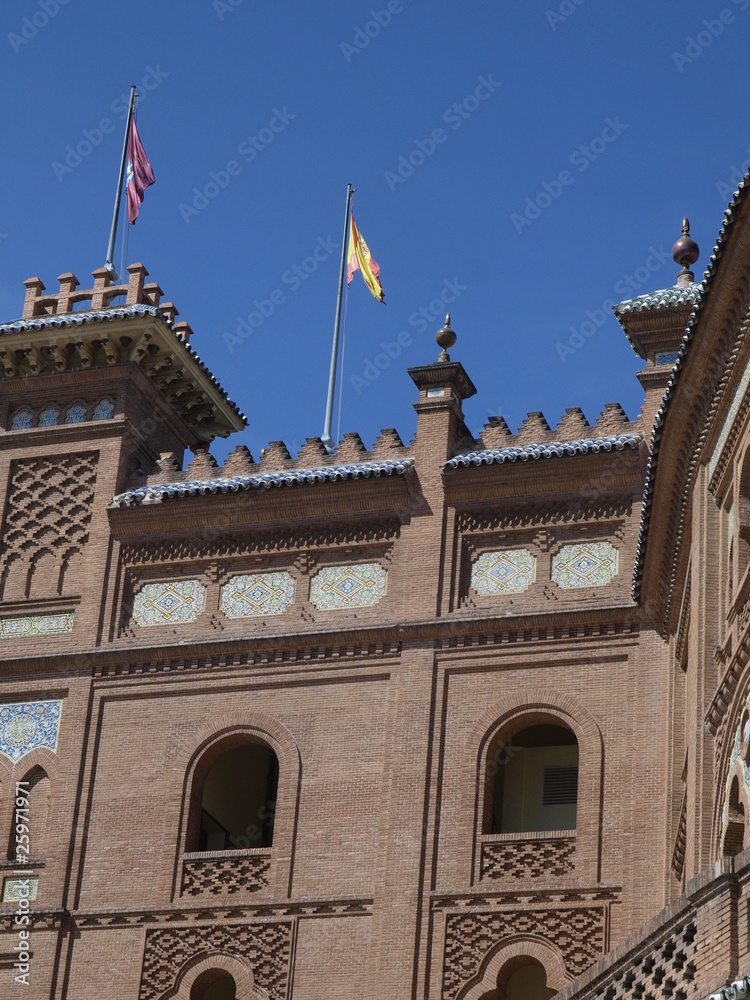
(326, 436)
(113, 231)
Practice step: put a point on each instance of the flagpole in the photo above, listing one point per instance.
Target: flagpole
(326, 436)
(113, 231)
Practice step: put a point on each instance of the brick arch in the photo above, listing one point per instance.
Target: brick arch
(199, 965)
(528, 708)
(199, 751)
(724, 763)
(518, 946)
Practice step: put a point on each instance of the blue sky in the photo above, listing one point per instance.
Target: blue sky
(529, 162)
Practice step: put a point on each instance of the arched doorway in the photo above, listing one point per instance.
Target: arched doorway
(214, 984)
(521, 978)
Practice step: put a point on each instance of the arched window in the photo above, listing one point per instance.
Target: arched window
(238, 799)
(522, 978)
(214, 984)
(533, 781)
(734, 838)
(36, 786)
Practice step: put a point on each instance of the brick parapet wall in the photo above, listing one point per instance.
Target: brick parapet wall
(702, 925)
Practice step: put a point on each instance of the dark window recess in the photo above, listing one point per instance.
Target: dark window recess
(560, 785)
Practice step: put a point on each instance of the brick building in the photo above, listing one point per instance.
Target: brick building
(461, 719)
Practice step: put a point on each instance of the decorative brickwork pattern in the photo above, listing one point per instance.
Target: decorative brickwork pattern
(665, 971)
(586, 564)
(257, 595)
(578, 934)
(16, 889)
(265, 946)
(528, 858)
(24, 727)
(359, 585)
(505, 571)
(224, 876)
(172, 603)
(21, 626)
(47, 511)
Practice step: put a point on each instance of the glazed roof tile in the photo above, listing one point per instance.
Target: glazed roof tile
(549, 449)
(678, 295)
(661, 414)
(263, 480)
(107, 315)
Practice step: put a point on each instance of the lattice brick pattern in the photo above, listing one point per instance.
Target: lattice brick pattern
(665, 971)
(49, 506)
(528, 858)
(224, 876)
(578, 933)
(265, 946)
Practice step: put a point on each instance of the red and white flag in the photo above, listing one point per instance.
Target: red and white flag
(140, 174)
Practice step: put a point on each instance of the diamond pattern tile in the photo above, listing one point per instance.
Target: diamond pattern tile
(585, 564)
(174, 602)
(257, 595)
(504, 571)
(359, 585)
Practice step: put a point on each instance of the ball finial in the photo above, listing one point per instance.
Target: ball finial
(445, 338)
(685, 252)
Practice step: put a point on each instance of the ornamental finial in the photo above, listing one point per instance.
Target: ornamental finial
(445, 338)
(685, 252)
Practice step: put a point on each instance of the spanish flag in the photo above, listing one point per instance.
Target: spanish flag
(359, 259)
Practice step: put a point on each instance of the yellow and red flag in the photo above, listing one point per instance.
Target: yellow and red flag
(360, 259)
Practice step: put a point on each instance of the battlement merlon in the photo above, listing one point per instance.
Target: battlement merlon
(54, 337)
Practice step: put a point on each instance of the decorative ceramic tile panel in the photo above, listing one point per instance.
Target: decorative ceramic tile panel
(586, 564)
(16, 889)
(359, 585)
(75, 414)
(171, 603)
(666, 357)
(505, 571)
(49, 417)
(104, 410)
(257, 595)
(20, 626)
(26, 726)
(22, 420)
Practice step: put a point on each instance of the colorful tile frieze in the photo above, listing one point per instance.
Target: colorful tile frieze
(20, 626)
(172, 603)
(28, 725)
(359, 585)
(16, 889)
(504, 571)
(257, 595)
(585, 564)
